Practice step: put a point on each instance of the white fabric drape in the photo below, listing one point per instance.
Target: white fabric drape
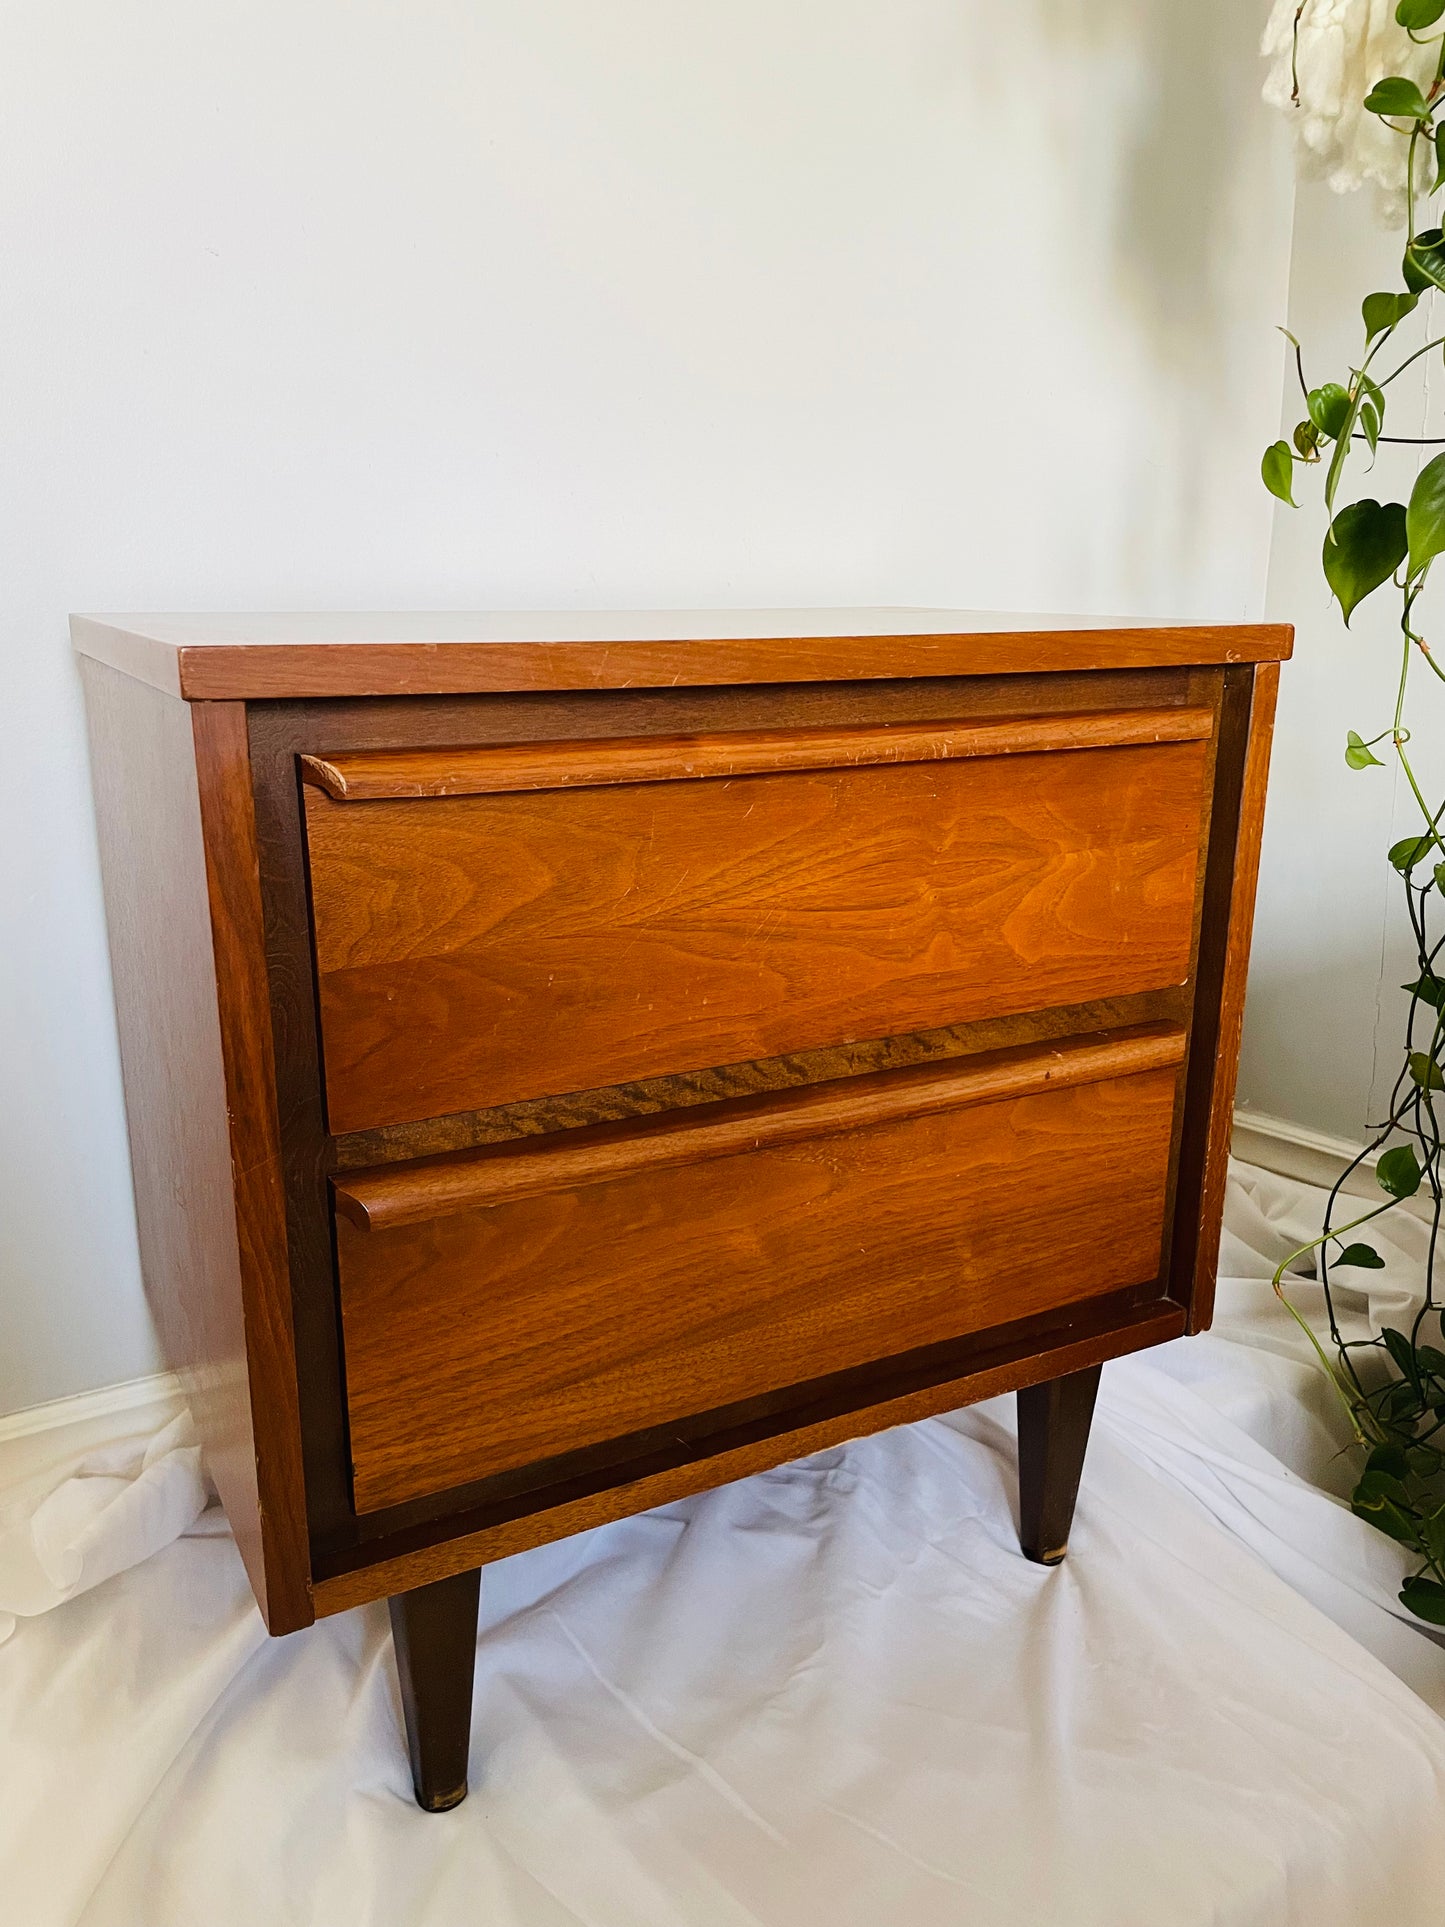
(833, 1695)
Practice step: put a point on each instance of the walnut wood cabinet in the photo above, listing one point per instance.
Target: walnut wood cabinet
(573, 1061)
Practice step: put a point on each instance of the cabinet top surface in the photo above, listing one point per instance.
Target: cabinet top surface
(230, 657)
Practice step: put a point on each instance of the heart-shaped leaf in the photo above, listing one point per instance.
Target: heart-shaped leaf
(1385, 1514)
(1424, 263)
(1401, 1351)
(1358, 753)
(1425, 516)
(1307, 441)
(1329, 408)
(1398, 98)
(1429, 990)
(1439, 180)
(1365, 545)
(1370, 422)
(1416, 14)
(1425, 1598)
(1360, 1255)
(1382, 311)
(1425, 1071)
(1277, 470)
(1409, 851)
(1398, 1172)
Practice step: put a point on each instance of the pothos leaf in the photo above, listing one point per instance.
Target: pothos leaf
(1370, 422)
(1398, 1172)
(1402, 1352)
(1329, 408)
(1425, 515)
(1416, 14)
(1387, 1515)
(1362, 1255)
(1277, 471)
(1424, 263)
(1425, 1598)
(1397, 98)
(1382, 311)
(1439, 180)
(1358, 753)
(1307, 441)
(1409, 851)
(1365, 545)
(1425, 1071)
(1429, 990)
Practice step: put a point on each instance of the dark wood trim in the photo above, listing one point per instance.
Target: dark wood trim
(459, 1541)
(1209, 1079)
(434, 1637)
(495, 769)
(1226, 1009)
(832, 1394)
(1054, 1420)
(395, 1194)
(223, 771)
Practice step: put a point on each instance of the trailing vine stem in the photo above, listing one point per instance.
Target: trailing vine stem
(1392, 1385)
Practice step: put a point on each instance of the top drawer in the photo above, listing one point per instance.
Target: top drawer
(513, 921)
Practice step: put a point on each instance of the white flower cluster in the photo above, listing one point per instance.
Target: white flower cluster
(1340, 50)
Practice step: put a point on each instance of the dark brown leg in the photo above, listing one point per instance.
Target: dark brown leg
(434, 1632)
(1053, 1437)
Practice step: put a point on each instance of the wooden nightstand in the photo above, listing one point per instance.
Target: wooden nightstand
(572, 1061)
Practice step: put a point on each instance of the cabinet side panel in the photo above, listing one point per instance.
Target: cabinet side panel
(163, 965)
(233, 879)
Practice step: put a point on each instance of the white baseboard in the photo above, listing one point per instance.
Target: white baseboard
(1295, 1151)
(85, 1408)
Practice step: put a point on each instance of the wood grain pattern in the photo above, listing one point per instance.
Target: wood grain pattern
(512, 1334)
(491, 769)
(179, 941)
(393, 1195)
(272, 656)
(1224, 1017)
(475, 951)
(374, 1570)
(612, 1103)
(280, 732)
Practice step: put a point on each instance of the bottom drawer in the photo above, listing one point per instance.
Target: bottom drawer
(508, 1305)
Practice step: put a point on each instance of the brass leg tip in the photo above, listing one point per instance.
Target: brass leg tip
(1054, 1556)
(441, 1802)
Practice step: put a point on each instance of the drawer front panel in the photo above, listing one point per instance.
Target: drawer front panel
(476, 950)
(572, 1312)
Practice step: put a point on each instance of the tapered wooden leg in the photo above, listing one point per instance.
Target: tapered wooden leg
(1053, 1437)
(434, 1633)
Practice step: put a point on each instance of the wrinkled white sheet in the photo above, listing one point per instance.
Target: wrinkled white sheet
(834, 1695)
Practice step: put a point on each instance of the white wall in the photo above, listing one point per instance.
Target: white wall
(505, 302)
(1325, 1019)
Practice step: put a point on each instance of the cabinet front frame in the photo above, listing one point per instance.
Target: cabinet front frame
(352, 1558)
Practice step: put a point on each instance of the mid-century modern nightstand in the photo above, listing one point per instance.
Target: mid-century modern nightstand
(573, 1061)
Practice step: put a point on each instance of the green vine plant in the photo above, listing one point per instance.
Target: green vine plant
(1393, 1386)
